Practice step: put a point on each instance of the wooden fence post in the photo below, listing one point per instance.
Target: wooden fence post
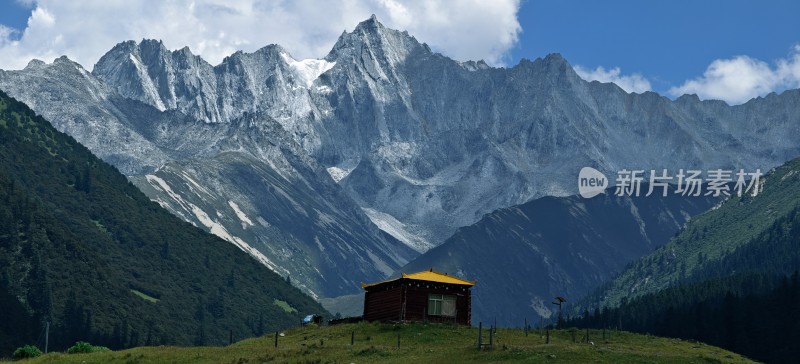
(480, 339)
(491, 339)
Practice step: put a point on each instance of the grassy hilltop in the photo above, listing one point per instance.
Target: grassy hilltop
(420, 343)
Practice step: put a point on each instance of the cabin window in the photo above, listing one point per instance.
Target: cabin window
(441, 305)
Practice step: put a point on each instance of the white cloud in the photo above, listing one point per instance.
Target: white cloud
(6, 34)
(630, 83)
(85, 29)
(742, 78)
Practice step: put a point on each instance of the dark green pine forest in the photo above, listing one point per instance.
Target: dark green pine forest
(741, 290)
(83, 249)
(756, 315)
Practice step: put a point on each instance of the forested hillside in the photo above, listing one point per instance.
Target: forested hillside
(755, 315)
(731, 238)
(730, 278)
(82, 248)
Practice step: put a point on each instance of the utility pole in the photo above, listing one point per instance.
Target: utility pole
(559, 301)
(46, 336)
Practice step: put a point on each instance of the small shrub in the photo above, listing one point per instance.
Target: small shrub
(27, 351)
(84, 347)
(80, 347)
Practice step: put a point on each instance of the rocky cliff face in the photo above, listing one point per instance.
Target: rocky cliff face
(381, 129)
(246, 179)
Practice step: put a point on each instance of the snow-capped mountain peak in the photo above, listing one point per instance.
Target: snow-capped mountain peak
(382, 129)
(307, 70)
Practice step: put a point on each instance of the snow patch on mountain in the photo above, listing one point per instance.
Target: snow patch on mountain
(324, 90)
(158, 183)
(390, 225)
(241, 215)
(307, 70)
(217, 229)
(338, 174)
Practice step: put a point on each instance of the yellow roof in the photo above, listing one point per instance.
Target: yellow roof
(428, 275)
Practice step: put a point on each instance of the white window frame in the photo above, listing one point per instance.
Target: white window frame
(441, 305)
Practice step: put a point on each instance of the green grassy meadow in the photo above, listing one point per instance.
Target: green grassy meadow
(421, 343)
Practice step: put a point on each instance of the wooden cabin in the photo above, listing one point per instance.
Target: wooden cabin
(423, 296)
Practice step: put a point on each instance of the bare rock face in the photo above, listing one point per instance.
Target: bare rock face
(382, 132)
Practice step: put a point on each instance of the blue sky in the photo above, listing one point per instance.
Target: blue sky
(731, 50)
(14, 14)
(666, 41)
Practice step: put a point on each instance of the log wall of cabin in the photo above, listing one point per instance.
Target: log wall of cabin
(383, 303)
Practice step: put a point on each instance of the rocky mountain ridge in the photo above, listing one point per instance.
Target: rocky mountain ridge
(381, 132)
